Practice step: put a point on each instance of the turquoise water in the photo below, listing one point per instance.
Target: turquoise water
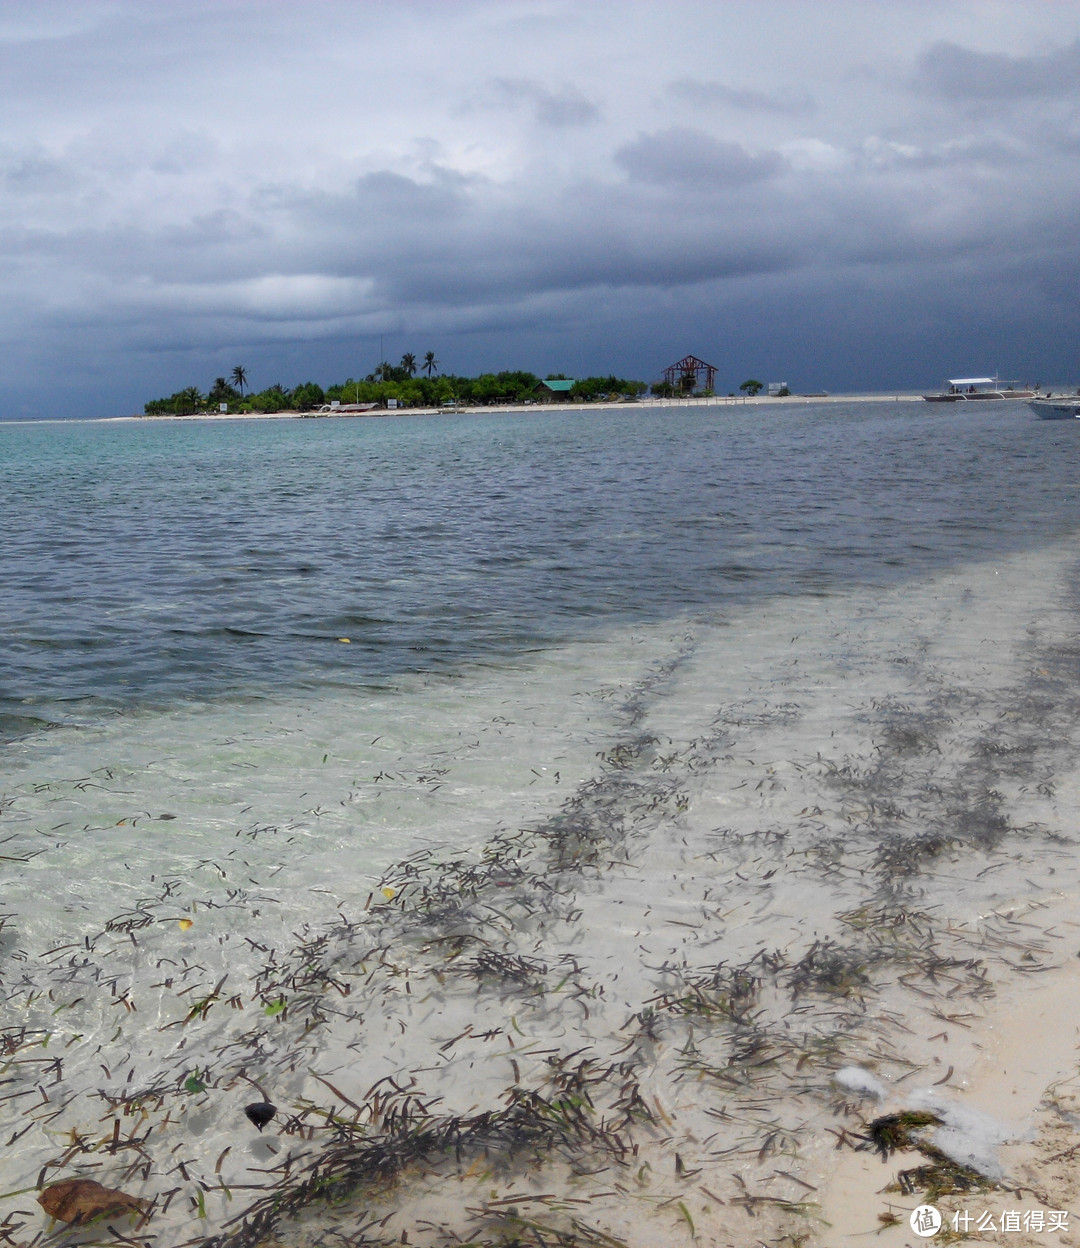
(626, 699)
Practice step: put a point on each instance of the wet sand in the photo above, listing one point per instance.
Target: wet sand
(1016, 1061)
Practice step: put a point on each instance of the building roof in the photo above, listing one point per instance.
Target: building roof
(690, 362)
(558, 385)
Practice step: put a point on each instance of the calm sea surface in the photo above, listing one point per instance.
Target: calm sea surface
(161, 563)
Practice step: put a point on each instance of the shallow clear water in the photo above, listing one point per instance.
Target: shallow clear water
(779, 666)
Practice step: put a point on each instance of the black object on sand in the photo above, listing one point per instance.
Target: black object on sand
(260, 1113)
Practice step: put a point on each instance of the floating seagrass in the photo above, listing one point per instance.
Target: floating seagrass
(82, 1200)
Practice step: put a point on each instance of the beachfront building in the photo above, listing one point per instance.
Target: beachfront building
(549, 391)
(690, 374)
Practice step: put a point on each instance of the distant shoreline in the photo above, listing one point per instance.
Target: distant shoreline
(524, 409)
(539, 408)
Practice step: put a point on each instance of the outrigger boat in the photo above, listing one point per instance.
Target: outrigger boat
(970, 389)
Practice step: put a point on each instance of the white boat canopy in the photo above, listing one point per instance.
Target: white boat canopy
(972, 381)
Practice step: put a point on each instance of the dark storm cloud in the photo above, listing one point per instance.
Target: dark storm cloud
(689, 158)
(494, 247)
(958, 73)
(185, 182)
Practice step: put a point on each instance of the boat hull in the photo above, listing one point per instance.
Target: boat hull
(979, 396)
(1056, 409)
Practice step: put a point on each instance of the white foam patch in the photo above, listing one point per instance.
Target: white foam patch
(968, 1136)
(856, 1079)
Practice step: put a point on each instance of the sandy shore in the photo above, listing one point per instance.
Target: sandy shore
(1010, 1072)
(535, 409)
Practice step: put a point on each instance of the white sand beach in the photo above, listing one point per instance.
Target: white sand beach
(535, 409)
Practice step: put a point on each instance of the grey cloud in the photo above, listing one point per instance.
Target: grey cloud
(557, 109)
(958, 73)
(449, 244)
(185, 152)
(703, 93)
(690, 158)
(452, 244)
(222, 228)
(34, 171)
(967, 153)
(502, 244)
(405, 199)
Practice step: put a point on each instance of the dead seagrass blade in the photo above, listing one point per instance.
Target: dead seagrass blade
(82, 1200)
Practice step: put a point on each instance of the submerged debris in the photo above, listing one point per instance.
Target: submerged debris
(260, 1113)
(79, 1201)
(942, 1175)
(897, 1132)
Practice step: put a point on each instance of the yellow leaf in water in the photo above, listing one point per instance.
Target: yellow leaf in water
(186, 923)
(389, 893)
(346, 640)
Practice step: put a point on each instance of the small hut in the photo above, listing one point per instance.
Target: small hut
(549, 391)
(690, 373)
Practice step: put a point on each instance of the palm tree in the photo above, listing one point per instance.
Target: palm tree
(239, 378)
(430, 363)
(190, 400)
(408, 363)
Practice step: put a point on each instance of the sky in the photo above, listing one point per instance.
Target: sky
(839, 194)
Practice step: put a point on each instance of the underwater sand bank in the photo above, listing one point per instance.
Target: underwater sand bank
(811, 838)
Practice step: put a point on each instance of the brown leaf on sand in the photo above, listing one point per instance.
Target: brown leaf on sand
(81, 1200)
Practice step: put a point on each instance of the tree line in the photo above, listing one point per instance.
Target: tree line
(409, 383)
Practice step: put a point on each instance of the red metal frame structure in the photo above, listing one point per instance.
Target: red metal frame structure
(686, 374)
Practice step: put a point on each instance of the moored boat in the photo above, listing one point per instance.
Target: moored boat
(1065, 408)
(969, 389)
